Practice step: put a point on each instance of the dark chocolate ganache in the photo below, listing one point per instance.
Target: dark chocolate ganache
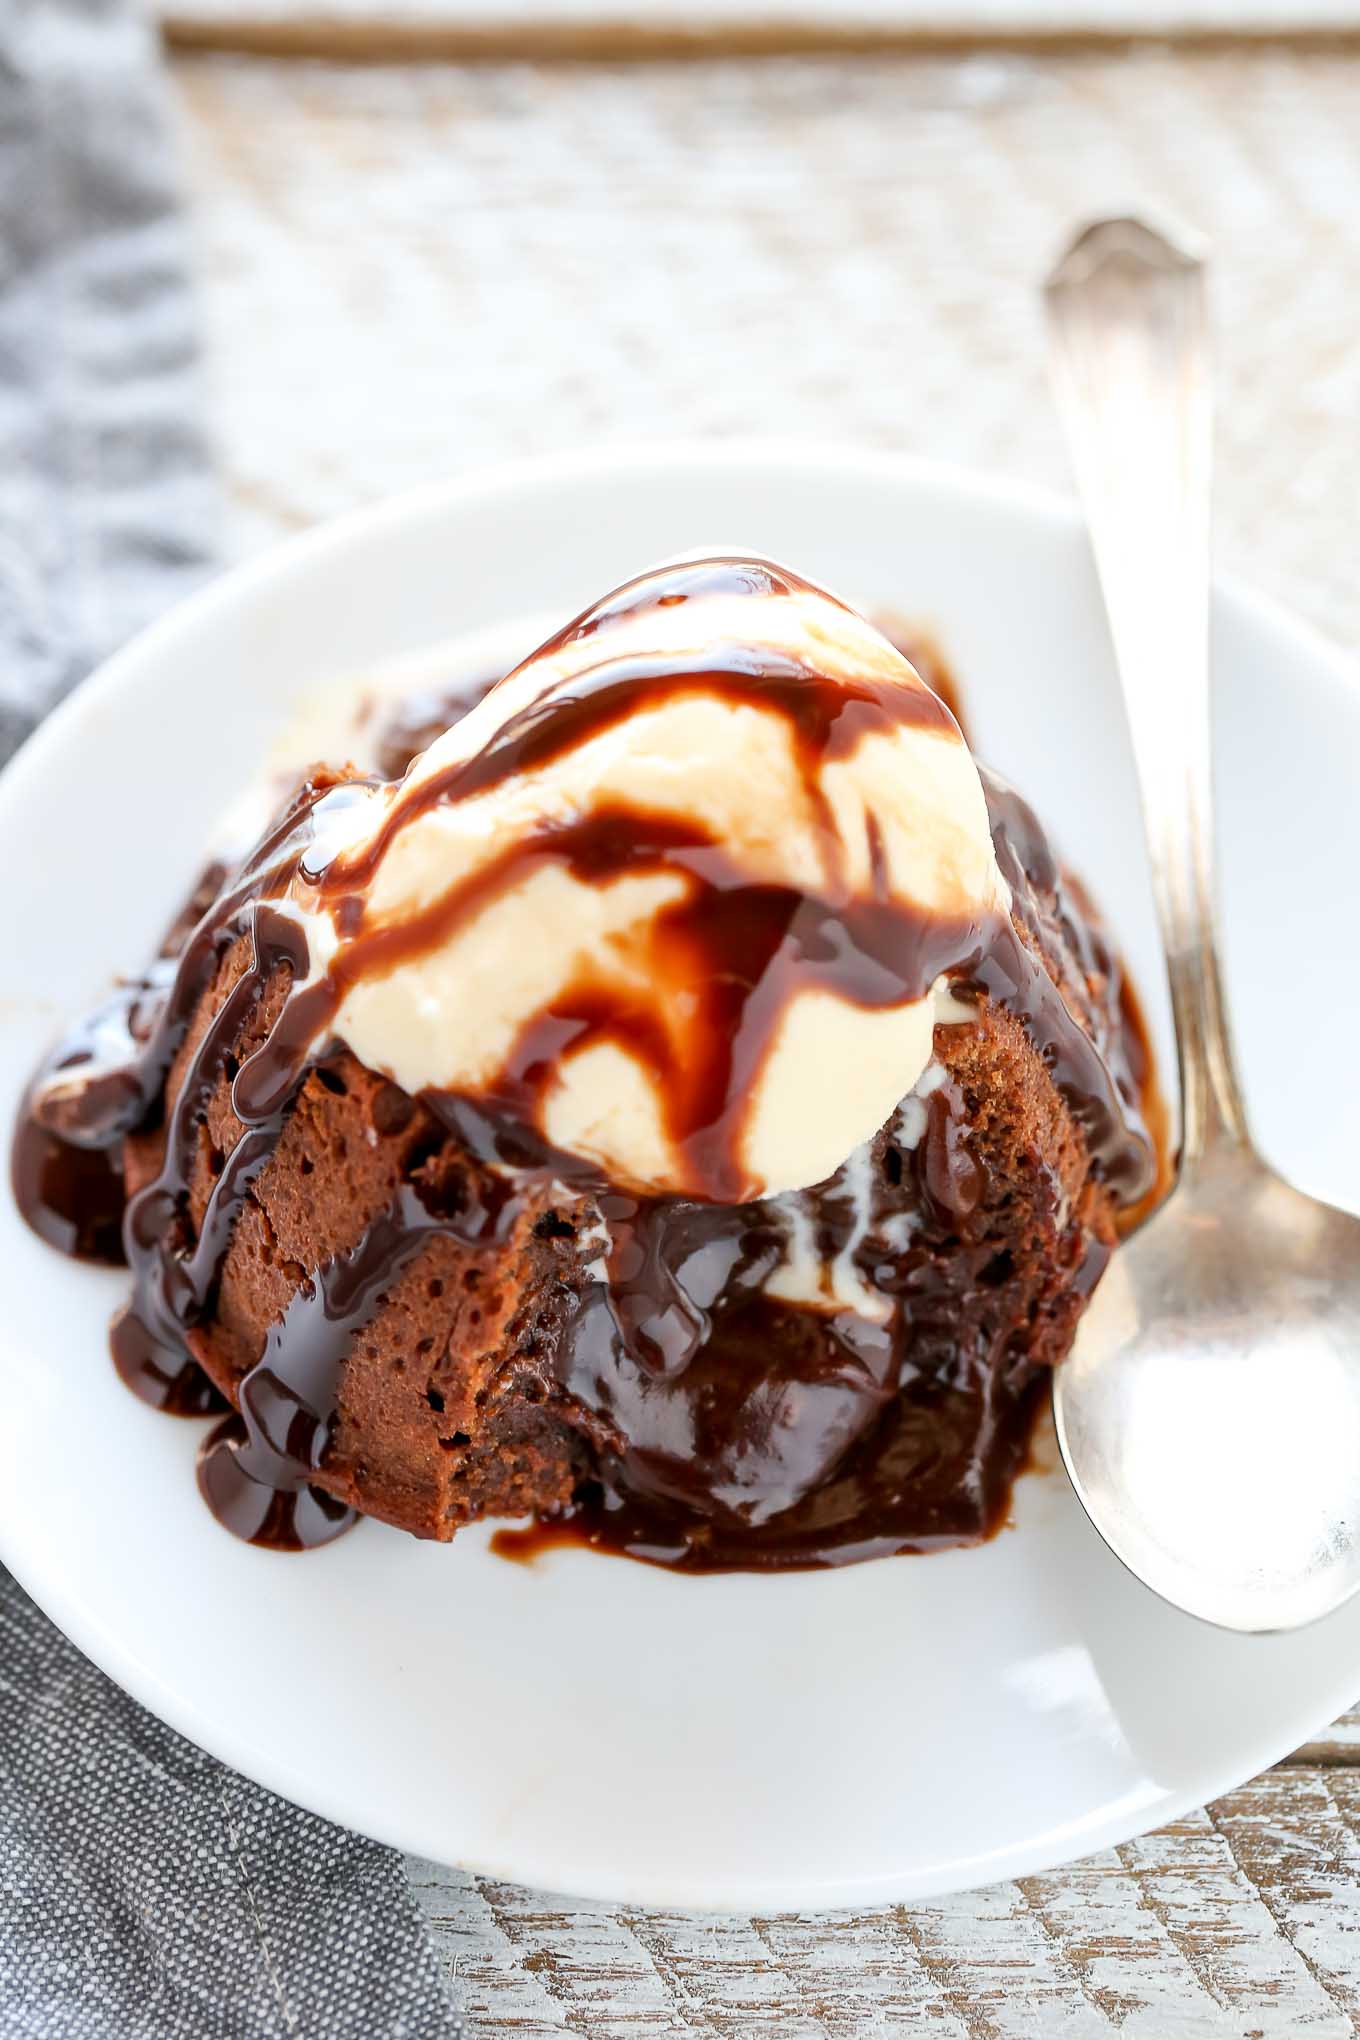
(727, 1419)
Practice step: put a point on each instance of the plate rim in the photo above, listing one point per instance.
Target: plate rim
(505, 481)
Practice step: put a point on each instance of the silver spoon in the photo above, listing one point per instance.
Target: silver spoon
(1209, 1413)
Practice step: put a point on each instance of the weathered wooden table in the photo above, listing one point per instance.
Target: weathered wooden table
(410, 268)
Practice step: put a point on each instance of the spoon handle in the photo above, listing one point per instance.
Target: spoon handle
(1129, 346)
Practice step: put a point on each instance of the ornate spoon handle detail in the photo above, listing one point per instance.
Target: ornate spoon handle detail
(1129, 329)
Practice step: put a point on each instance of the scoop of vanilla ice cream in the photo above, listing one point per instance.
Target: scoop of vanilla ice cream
(897, 813)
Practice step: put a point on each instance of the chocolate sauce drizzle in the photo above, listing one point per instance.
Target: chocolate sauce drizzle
(728, 1427)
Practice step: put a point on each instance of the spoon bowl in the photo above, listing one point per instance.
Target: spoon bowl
(1209, 1412)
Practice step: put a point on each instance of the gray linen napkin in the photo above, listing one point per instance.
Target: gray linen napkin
(146, 1892)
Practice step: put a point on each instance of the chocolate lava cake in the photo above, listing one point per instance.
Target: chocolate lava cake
(421, 1310)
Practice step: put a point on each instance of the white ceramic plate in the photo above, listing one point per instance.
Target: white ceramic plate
(891, 1731)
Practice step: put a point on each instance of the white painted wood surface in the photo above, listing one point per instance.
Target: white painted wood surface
(1239, 1920)
(407, 269)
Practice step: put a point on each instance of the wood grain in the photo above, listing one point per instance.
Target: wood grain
(620, 31)
(410, 269)
(1238, 1920)
(1243, 1919)
(511, 259)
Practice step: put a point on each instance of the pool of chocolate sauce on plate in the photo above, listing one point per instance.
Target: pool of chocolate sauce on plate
(853, 1452)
